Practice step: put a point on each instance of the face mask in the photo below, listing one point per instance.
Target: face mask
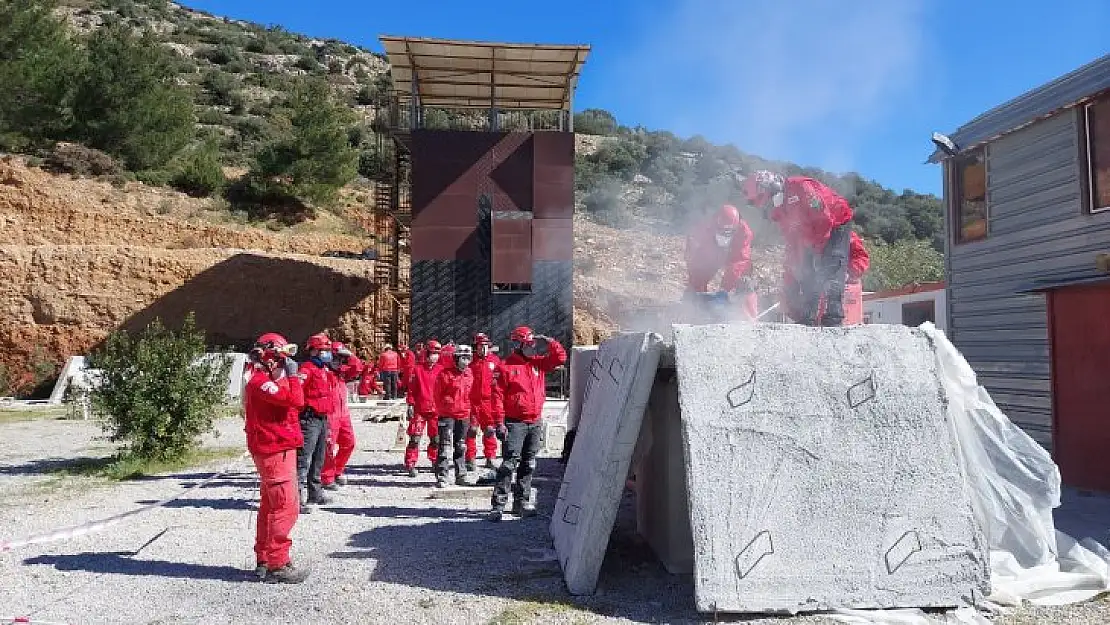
(433, 358)
(483, 350)
(462, 363)
(325, 357)
(722, 240)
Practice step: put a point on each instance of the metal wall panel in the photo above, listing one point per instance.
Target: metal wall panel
(1038, 230)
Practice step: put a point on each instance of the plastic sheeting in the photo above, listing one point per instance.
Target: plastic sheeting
(1014, 485)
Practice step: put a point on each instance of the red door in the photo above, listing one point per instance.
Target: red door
(1080, 326)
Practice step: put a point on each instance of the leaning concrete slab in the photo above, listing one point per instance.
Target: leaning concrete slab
(821, 471)
(614, 396)
(581, 357)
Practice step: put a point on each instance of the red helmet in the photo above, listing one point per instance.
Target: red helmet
(522, 334)
(272, 347)
(318, 341)
(433, 346)
(481, 339)
(728, 218)
(761, 187)
(337, 346)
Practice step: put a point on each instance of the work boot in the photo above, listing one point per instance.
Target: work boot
(412, 471)
(320, 499)
(471, 466)
(529, 507)
(518, 506)
(304, 501)
(332, 486)
(287, 574)
(260, 571)
(461, 480)
(341, 480)
(441, 481)
(495, 515)
(489, 464)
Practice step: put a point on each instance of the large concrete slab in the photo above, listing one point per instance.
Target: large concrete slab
(821, 471)
(614, 397)
(581, 357)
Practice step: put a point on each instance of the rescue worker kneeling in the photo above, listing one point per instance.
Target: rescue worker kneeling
(273, 399)
(452, 395)
(521, 382)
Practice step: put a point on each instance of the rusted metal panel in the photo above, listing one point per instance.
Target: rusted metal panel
(553, 239)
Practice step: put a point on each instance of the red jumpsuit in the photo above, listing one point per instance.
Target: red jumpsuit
(704, 259)
(858, 263)
(814, 221)
(488, 414)
(273, 438)
(368, 384)
(452, 398)
(421, 396)
(341, 432)
(407, 362)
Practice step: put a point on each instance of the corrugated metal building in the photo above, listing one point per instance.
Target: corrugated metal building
(1027, 191)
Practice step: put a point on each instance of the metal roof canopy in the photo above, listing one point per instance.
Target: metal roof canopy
(473, 74)
(1066, 91)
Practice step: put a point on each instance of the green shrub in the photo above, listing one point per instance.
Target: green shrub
(154, 177)
(220, 55)
(595, 122)
(199, 172)
(219, 86)
(373, 164)
(158, 394)
(308, 64)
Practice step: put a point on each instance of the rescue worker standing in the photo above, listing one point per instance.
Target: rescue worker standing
(452, 395)
(816, 223)
(273, 399)
(345, 367)
(421, 396)
(319, 404)
(488, 414)
(408, 361)
(389, 364)
(521, 389)
(722, 242)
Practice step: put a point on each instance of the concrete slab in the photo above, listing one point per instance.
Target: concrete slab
(581, 356)
(614, 398)
(821, 471)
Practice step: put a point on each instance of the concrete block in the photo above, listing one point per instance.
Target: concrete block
(580, 358)
(821, 471)
(614, 397)
(662, 505)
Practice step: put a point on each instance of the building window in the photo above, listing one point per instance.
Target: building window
(917, 313)
(969, 184)
(1098, 154)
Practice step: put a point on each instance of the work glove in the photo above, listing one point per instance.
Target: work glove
(502, 432)
(409, 412)
(290, 367)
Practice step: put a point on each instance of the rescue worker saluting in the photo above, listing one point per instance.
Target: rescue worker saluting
(488, 415)
(421, 396)
(816, 223)
(521, 390)
(452, 396)
(722, 242)
(273, 399)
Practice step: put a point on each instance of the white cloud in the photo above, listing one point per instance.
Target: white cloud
(780, 77)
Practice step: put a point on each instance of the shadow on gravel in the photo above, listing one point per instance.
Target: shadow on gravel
(49, 466)
(123, 564)
(515, 559)
(215, 504)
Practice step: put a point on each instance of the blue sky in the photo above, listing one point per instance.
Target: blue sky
(845, 85)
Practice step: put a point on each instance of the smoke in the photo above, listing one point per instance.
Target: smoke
(779, 78)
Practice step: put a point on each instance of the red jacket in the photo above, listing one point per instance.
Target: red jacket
(447, 353)
(520, 383)
(408, 360)
(340, 376)
(485, 381)
(318, 390)
(809, 212)
(272, 413)
(389, 361)
(704, 258)
(368, 383)
(858, 259)
(421, 388)
(452, 392)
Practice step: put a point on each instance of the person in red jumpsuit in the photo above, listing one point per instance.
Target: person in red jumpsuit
(452, 396)
(408, 360)
(345, 367)
(488, 414)
(521, 389)
(273, 398)
(815, 221)
(722, 242)
(421, 396)
(319, 392)
(389, 364)
(368, 383)
(858, 262)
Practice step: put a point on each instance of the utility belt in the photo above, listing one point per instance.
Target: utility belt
(308, 412)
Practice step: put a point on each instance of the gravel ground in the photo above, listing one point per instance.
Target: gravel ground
(384, 552)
